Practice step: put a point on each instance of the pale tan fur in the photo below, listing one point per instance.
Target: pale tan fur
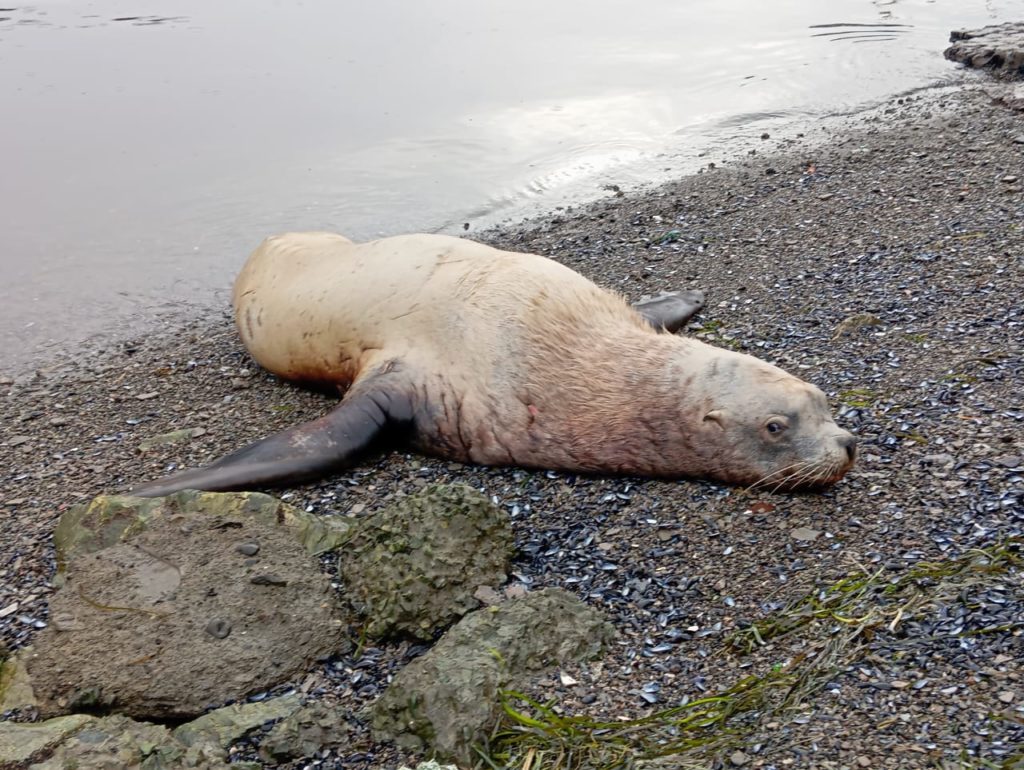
(516, 359)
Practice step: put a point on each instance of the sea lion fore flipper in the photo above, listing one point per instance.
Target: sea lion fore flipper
(670, 311)
(304, 451)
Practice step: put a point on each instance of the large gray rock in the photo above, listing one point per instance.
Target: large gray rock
(413, 568)
(999, 48)
(448, 700)
(168, 607)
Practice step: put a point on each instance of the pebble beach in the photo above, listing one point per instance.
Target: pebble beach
(883, 264)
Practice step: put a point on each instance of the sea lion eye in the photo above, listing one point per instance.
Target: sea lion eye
(775, 426)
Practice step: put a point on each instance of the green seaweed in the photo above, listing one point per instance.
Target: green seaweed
(537, 736)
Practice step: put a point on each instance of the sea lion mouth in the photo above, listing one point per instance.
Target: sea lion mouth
(805, 476)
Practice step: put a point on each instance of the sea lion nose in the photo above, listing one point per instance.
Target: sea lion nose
(849, 443)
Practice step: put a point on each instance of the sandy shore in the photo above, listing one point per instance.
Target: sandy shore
(885, 266)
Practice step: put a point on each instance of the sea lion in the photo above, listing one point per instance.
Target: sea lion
(501, 358)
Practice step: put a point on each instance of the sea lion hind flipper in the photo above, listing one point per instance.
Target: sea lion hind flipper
(671, 310)
(302, 452)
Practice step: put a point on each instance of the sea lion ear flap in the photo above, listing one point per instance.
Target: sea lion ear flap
(305, 451)
(716, 416)
(670, 311)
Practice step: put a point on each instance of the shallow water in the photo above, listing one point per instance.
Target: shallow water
(146, 147)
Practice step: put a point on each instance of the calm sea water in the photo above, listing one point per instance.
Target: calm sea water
(147, 146)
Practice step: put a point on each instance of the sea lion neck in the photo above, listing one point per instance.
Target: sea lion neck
(614, 402)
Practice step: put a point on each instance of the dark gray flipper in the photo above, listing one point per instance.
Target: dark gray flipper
(671, 310)
(304, 451)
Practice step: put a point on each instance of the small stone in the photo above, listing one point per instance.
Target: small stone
(248, 549)
(766, 136)
(1006, 696)
(1008, 461)
(10, 609)
(218, 628)
(147, 396)
(805, 534)
(864, 761)
(1009, 178)
(18, 440)
(487, 595)
(566, 680)
(899, 684)
(268, 580)
(515, 591)
(173, 437)
(1019, 139)
(58, 421)
(738, 759)
(826, 196)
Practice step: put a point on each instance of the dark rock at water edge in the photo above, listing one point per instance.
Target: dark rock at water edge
(449, 699)
(161, 617)
(998, 47)
(413, 567)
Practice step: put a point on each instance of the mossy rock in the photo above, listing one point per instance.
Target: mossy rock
(413, 567)
(448, 700)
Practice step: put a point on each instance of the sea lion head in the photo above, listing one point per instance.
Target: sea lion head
(771, 430)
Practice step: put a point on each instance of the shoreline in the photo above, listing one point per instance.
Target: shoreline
(884, 266)
(639, 179)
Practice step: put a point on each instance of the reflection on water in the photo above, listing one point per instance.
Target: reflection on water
(147, 147)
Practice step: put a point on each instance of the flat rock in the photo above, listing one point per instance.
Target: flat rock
(162, 617)
(224, 726)
(85, 742)
(415, 566)
(109, 519)
(446, 701)
(998, 47)
(21, 743)
(303, 733)
(805, 534)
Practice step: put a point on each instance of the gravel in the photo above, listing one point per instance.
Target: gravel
(883, 265)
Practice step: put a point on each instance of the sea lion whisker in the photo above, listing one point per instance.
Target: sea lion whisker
(767, 479)
(811, 476)
(802, 476)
